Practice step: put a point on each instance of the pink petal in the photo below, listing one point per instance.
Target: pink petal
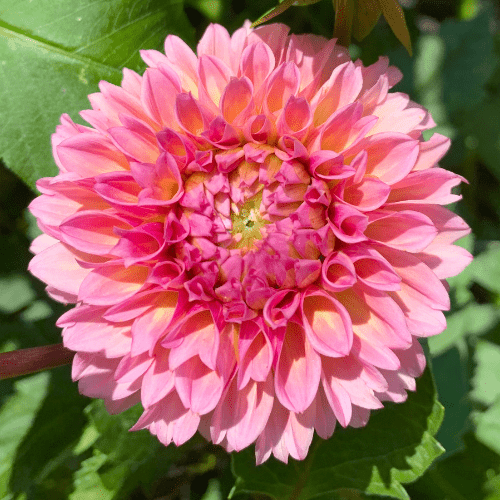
(57, 266)
(92, 231)
(327, 324)
(338, 398)
(148, 328)
(215, 42)
(369, 194)
(407, 230)
(112, 283)
(183, 61)
(338, 272)
(391, 155)
(90, 154)
(432, 151)
(86, 330)
(169, 421)
(433, 185)
(419, 277)
(198, 386)
(282, 83)
(236, 102)
(159, 92)
(295, 119)
(445, 260)
(157, 382)
(422, 319)
(298, 371)
(281, 307)
(118, 188)
(190, 115)
(131, 368)
(372, 269)
(198, 335)
(373, 351)
(243, 414)
(257, 62)
(347, 372)
(136, 140)
(341, 89)
(255, 354)
(325, 418)
(214, 75)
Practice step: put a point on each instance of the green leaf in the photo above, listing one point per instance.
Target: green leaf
(15, 293)
(16, 418)
(123, 461)
(395, 447)
(473, 319)
(54, 52)
(469, 44)
(467, 475)
(429, 58)
(486, 380)
(44, 460)
(488, 427)
(117, 453)
(486, 392)
(451, 392)
(88, 484)
(486, 267)
(213, 491)
(484, 133)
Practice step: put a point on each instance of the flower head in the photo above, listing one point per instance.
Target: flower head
(253, 237)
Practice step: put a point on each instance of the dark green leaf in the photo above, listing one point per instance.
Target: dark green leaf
(123, 461)
(451, 392)
(488, 427)
(87, 482)
(473, 319)
(395, 447)
(467, 475)
(469, 44)
(15, 293)
(486, 380)
(486, 267)
(44, 459)
(16, 418)
(484, 130)
(53, 53)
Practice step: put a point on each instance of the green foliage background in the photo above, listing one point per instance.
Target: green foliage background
(56, 444)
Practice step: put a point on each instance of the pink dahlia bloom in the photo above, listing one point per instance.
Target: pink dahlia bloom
(253, 237)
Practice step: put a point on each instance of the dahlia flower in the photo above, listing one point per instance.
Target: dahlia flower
(253, 239)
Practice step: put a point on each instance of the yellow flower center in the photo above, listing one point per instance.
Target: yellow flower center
(247, 223)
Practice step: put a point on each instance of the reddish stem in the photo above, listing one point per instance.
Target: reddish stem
(34, 359)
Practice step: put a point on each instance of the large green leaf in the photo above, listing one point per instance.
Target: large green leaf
(123, 461)
(16, 418)
(486, 380)
(488, 427)
(486, 392)
(44, 460)
(484, 133)
(395, 447)
(472, 319)
(52, 55)
(486, 267)
(468, 475)
(468, 63)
